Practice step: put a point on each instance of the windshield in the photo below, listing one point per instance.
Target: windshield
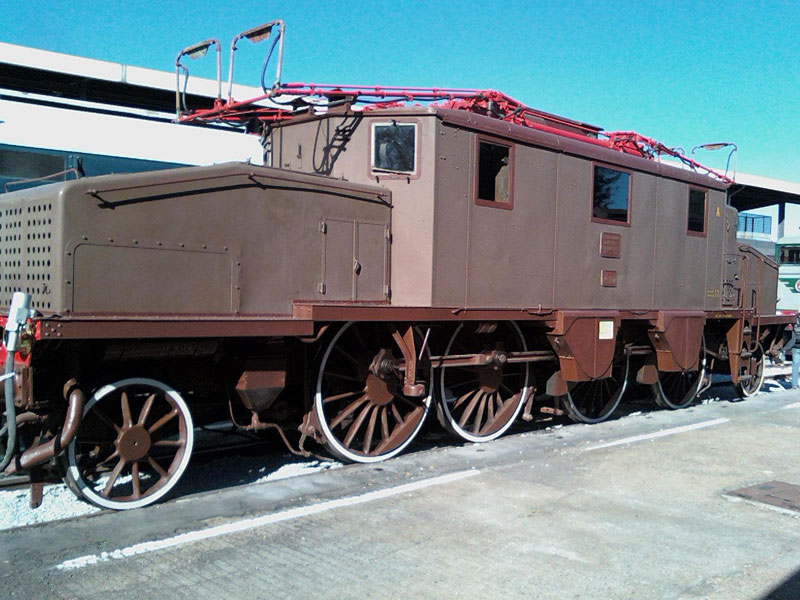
(789, 255)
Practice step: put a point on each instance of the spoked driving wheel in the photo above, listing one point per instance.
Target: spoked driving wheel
(480, 402)
(133, 445)
(359, 402)
(596, 400)
(678, 389)
(751, 373)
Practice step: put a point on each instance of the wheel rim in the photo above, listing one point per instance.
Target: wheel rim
(596, 400)
(364, 417)
(753, 366)
(480, 403)
(133, 445)
(678, 390)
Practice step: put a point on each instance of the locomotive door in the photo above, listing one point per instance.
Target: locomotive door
(355, 260)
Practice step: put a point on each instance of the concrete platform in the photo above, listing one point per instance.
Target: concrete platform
(634, 508)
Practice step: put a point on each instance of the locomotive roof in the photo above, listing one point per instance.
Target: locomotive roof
(583, 145)
(109, 188)
(584, 148)
(509, 118)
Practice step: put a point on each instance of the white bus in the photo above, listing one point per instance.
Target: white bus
(787, 254)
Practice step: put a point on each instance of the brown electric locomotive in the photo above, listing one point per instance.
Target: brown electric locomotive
(467, 255)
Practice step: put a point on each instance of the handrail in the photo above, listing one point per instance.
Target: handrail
(44, 178)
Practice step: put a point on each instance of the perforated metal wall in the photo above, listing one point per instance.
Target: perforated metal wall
(26, 250)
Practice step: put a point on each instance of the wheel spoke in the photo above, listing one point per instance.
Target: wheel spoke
(467, 382)
(169, 443)
(370, 430)
(342, 396)
(356, 425)
(406, 401)
(108, 459)
(348, 410)
(401, 431)
(359, 338)
(145, 412)
(137, 489)
(112, 478)
(344, 377)
(476, 427)
(468, 411)
(384, 422)
(349, 357)
(396, 414)
(105, 419)
(163, 420)
(127, 419)
(464, 398)
(96, 442)
(162, 473)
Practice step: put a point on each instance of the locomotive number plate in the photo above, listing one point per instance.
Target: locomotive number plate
(610, 245)
(608, 278)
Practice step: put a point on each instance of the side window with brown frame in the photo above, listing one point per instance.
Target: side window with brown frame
(611, 195)
(696, 212)
(494, 175)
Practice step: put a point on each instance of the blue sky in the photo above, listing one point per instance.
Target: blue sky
(683, 72)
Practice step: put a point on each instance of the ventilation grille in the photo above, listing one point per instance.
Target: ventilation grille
(26, 253)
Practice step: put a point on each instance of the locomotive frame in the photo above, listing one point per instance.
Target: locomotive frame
(393, 259)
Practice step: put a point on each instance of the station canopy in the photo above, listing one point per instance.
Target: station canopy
(753, 191)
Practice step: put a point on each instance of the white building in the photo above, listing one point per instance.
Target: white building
(78, 116)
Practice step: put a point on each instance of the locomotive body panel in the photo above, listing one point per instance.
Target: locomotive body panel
(342, 146)
(154, 243)
(540, 248)
(715, 244)
(679, 260)
(231, 239)
(501, 252)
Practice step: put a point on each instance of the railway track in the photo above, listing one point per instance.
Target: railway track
(210, 450)
(775, 371)
(227, 447)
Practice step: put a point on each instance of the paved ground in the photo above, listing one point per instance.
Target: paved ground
(631, 509)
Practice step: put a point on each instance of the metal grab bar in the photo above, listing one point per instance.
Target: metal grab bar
(44, 178)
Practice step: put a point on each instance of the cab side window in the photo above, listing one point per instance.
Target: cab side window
(611, 195)
(494, 174)
(696, 212)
